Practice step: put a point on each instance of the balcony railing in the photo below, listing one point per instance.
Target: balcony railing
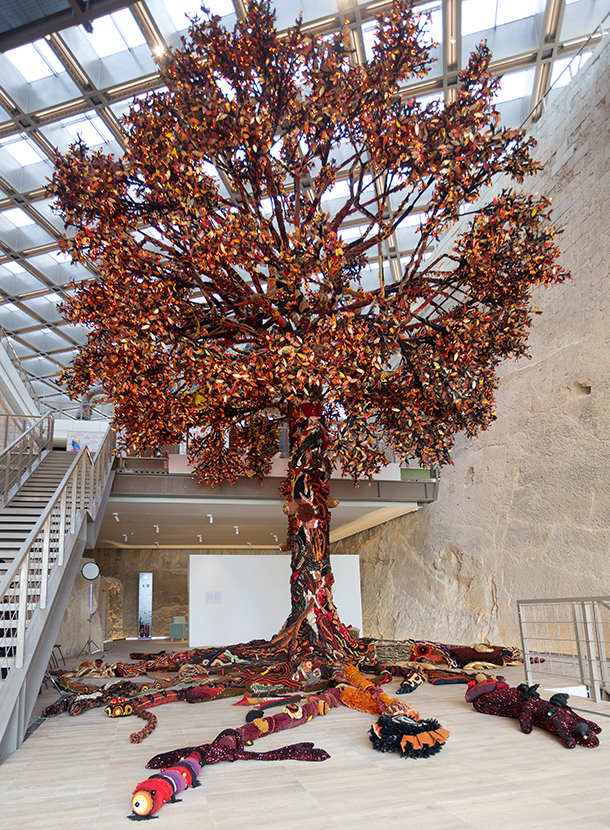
(23, 454)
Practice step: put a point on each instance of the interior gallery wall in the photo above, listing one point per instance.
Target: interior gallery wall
(234, 599)
(170, 569)
(524, 512)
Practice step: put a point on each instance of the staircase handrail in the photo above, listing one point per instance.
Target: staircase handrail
(80, 490)
(16, 472)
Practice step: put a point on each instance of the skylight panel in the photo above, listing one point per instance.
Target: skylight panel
(515, 85)
(23, 150)
(88, 128)
(564, 69)
(181, 10)
(53, 297)
(478, 15)
(339, 190)
(13, 267)
(35, 61)
(10, 307)
(129, 29)
(17, 217)
(115, 33)
(60, 256)
(509, 10)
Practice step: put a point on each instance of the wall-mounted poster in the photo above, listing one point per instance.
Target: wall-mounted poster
(77, 439)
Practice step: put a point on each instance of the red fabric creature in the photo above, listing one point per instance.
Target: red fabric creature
(525, 704)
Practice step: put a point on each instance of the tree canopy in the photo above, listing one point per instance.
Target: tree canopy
(230, 295)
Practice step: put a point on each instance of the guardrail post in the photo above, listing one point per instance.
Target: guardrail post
(61, 542)
(74, 496)
(44, 574)
(22, 612)
(83, 481)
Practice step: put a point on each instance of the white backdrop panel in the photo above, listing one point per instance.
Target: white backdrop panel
(233, 598)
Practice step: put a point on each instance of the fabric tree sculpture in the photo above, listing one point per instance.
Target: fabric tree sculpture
(234, 241)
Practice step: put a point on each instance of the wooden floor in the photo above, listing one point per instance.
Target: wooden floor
(79, 772)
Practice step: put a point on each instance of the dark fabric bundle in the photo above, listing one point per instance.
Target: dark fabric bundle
(408, 737)
(525, 704)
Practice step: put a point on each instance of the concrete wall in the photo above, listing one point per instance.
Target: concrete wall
(525, 510)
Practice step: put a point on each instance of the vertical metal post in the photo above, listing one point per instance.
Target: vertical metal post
(591, 651)
(83, 482)
(22, 612)
(44, 575)
(601, 652)
(61, 541)
(527, 665)
(579, 637)
(73, 504)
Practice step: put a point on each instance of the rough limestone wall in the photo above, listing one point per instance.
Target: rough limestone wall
(525, 510)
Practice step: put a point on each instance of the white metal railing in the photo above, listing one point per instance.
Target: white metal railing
(569, 636)
(21, 456)
(25, 586)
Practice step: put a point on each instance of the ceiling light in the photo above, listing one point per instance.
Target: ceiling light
(116, 517)
(211, 518)
(156, 527)
(199, 537)
(236, 529)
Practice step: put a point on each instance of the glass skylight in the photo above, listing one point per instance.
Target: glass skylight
(23, 150)
(564, 69)
(181, 10)
(53, 297)
(115, 33)
(89, 128)
(35, 61)
(515, 85)
(17, 217)
(10, 307)
(60, 256)
(13, 267)
(487, 14)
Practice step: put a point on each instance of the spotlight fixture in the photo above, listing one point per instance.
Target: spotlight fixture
(157, 544)
(250, 545)
(116, 517)
(156, 527)
(211, 518)
(236, 529)
(275, 537)
(125, 536)
(199, 537)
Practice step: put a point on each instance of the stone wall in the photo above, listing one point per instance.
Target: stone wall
(525, 510)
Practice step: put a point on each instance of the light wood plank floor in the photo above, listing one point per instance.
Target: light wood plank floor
(79, 772)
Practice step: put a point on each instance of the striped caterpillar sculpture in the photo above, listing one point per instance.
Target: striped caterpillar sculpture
(180, 768)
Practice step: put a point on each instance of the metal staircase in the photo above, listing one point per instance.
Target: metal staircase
(44, 530)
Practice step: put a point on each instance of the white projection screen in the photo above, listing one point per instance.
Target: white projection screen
(233, 598)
